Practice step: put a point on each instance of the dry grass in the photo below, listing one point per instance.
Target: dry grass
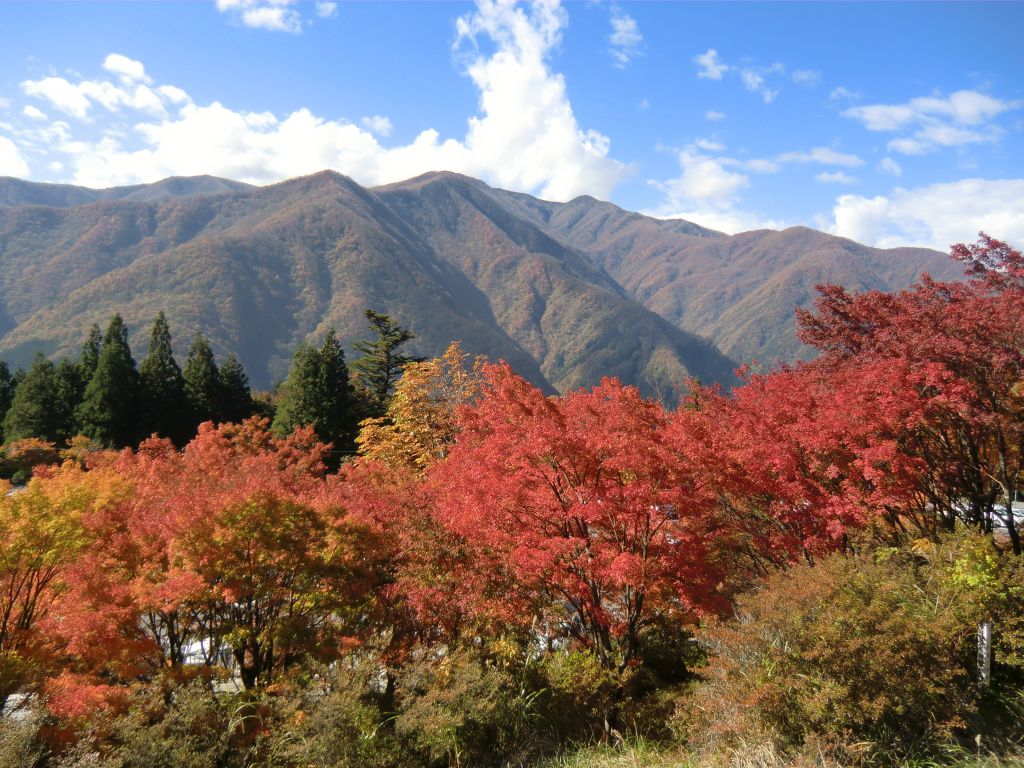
(643, 754)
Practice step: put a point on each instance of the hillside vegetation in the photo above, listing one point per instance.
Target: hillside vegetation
(565, 292)
(790, 574)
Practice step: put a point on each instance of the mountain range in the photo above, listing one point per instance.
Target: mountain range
(566, 292)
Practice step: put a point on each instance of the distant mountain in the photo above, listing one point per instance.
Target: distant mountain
(566, 292)
(14, 192)
(738, 291)
(262, 269)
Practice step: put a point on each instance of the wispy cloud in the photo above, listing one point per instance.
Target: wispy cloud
(806, 76)
(273, 15)
(326, 9)
(931, 122)
(836, 177)
(754, 78)
(890, 166)
(625, 39)
(842, 93)
(709, 66)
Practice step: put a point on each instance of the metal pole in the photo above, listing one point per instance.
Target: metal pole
(985, 652)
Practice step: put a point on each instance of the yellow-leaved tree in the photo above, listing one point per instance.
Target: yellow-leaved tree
(421, 418)
(42, 532)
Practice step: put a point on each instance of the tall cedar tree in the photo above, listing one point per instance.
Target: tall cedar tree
(32, 412)
(109, 410)
(318, 393)
(6, 389)
(381, 363)
(91, 353)
(236, 402)
(164, 408)
(202, 381)
(69, 390)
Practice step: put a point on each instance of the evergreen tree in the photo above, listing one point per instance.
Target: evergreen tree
(6, 390)
(299, 402)
(381, 363)
(338, 419)
(32, 412)
(236, 402)
(69, 392)
(108, 412)
(91, 353)
(318, 393)
(164, 408)
(202, 381)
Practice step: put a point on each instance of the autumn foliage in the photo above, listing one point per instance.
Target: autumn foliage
(495, 534)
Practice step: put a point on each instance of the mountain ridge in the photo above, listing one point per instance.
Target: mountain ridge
(566, 292)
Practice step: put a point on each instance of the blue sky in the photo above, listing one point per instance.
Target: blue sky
(889, 123)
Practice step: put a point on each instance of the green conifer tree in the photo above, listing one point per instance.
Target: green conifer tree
(318, 393)
(381, 363)
(163, 409)
(202, 381)
(236, 402)
(91, 349)
(6, 391)
(339, 417)
(108, 412)
(299, 401)
(69, 392)
(32, 411)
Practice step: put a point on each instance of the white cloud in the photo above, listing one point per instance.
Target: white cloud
(625, 38)
(12, 163)
(77, 99)
(842, 93)
(710, 67)
(822, 155)
(935, 216)
(274, 15)
(525, 135)
(761, 165)
(173, 94)
(818, 155)
(326, 10)
(377, 124)
(275, 18)
(128, 70)
(807, 76)
(704, 179)
(728, 220)
(709, 145)
(835, 178)
(713, 115)
(964, 117)
(33, 113)
(891, 166)
(707, 192)
(60, 94)
(754, 81)
(754, 78)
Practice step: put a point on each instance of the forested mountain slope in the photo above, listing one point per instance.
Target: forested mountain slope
(261, 269)
(566, 292)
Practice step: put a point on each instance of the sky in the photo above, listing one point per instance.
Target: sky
(892, 124)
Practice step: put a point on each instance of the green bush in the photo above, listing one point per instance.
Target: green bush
(878, 648)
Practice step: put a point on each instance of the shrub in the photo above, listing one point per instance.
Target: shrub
(877, 647)
(22, 456)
